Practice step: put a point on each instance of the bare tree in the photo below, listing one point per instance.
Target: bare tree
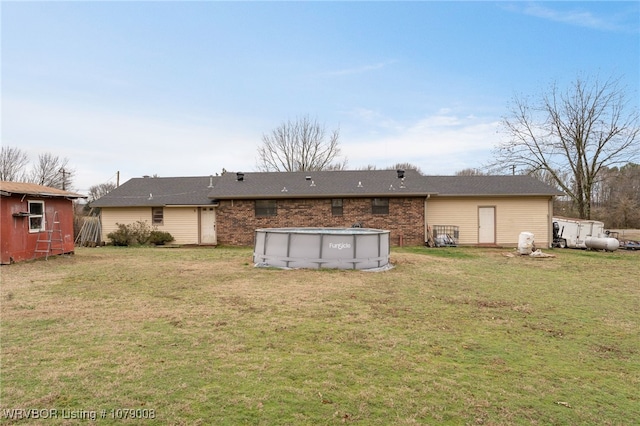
(51, 171)
(97, 191)
(12, 163)
(397, 166)
(405, 166)
(369, 167)
(300, 145)
(470, 172)
(619, 197)
(573, 133)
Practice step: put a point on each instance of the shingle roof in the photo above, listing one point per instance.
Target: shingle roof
(342, 183)
(489, 186)
(323, 184)
(159, 191)
(8, 188)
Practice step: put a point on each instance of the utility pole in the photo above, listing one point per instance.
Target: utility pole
(64, 178)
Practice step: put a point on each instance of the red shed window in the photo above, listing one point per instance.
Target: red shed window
(36, 216)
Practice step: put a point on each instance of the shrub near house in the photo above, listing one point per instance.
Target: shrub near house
(138, 233)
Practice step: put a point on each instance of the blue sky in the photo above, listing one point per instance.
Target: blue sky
(189, 88)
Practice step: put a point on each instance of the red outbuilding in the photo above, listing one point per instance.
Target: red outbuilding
(35, 221)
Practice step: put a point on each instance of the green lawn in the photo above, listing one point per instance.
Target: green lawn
(200, 336)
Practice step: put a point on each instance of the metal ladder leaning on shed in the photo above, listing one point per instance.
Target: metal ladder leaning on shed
(50, 240)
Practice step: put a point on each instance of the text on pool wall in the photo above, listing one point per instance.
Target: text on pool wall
(339, 246)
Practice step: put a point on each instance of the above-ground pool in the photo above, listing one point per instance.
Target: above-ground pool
(337, 248)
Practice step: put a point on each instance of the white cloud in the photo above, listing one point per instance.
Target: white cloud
(581, 18)
(359, 69)
(443, 143)
(98, 143)
(375, 122)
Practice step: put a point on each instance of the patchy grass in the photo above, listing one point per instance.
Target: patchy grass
(200, 336)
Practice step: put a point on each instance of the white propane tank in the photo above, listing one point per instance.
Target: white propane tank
(600, 243)
(525, 243)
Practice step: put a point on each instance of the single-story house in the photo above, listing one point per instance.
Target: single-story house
(227, 209)
(178, 205)
(37, 221)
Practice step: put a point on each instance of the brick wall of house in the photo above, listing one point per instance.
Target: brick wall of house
(236, 221)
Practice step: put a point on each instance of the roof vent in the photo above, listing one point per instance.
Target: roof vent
(210, 181)
(359, 184)
(312, 183)
(400, 173)
(284, 189)
(239, 176)
(307, 177)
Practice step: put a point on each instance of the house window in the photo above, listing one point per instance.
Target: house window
(336, 206)
(36, 216)
(157, 215)
(380, 206)
(266, 208)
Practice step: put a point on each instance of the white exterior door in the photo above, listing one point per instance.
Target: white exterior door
(208, 225)
(486, 225)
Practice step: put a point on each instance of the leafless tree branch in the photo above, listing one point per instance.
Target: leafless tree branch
(12, 163)
(51, 171)
(572, 135)
(300, 145)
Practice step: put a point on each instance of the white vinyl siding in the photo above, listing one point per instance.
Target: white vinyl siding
(512, 216)
(180, 222)
(111, 216)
